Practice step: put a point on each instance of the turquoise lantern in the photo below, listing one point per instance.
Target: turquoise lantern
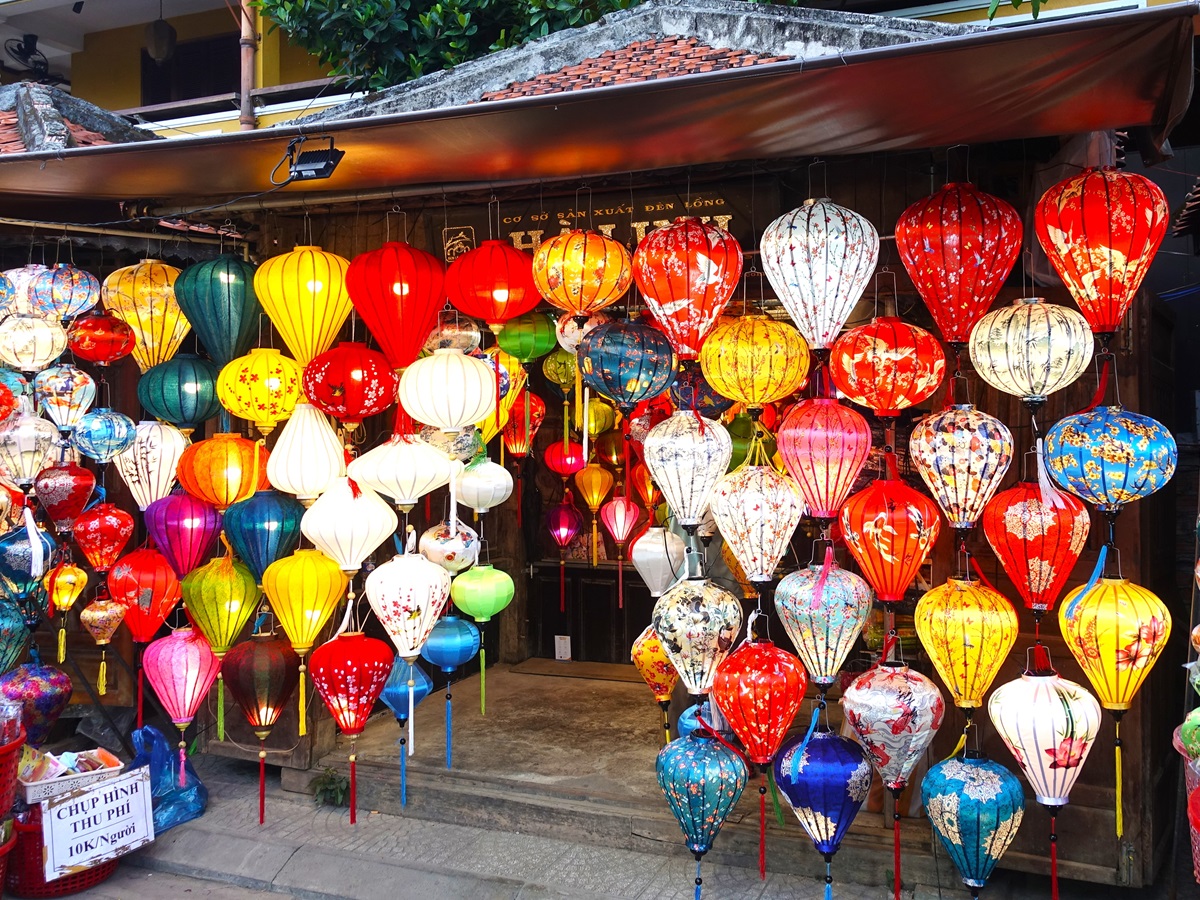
(63, 292)
(395, 697)
(451, 643)
(14, 636)
(103, 433)
(218, 298)
(976, 807)
(182, 391)
(25, 555)
(691, 390)
(263, 528)
(627, 362)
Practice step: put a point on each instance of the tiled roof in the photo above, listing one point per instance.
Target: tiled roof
(12, 141)
(640, 61)
(36, 117)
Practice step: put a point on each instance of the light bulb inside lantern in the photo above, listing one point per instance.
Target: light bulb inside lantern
(500, 295)
(314, 287)
(400, 288)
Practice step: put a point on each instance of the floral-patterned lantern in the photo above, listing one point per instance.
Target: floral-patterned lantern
(148, 465)
(518, 433)
(25, 445)
(63, 491)
(304, 295)
(143, 297)
(404, 468)
(887, 365)
(581, 272)
(686, 454)
(263, 528)
(15, 301)
(397, 291)
(890, 529)
(63, 292)
(31, 343)
(183, 528)
(697, 620)
(102, 533)
(824, 446)
(448, 390)
(1100, 230)
(64, 584)
(218, 298)
(686, 272)
(453, 331)
(144, 581)
(493, 282)
(958, 246)
(103, 433)
(25, 554)
(660, 557)
(101, 618)
(758, 689)
(101, 339)
(652, 663)
(181, 668)
(348, 523)
(757, 510)
(223, 469)
(691, 390)
(182, 391)
(350, 382)
(451, 544)
(627, 362)
(754, 360)
(308, 455)
(261, 387)
(823, 610)
(64, 393)
(620, 516)
(43, 693)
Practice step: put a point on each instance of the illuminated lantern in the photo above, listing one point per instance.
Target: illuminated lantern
(963, 455)
(143, 297)
(482, 592)
(101, 618)
(183, 528)
(561, 369)
(453, 332)
(397, 292)
(660, 557)
(569, 331)
(404, 468)
(220, 597)
(263, 528)
(649, 658)
(823, 610)
(510, 376)
(261, 387)
(223, 469)
(63, 491)
(824, 446)
(686, 454)
(484, 485)
(958, 246)
(968, 630)
(181, 668)
(697, 620)
(350, 383)
(348, 523)
(643, 484)
(819, 258)
(64, 584)
(581, 272)
(1116, 631)
(528, 337)
(627, 362)
(102, 533)
(304, 295)
(147, 466)
(182, 391)
(145, 582)
(976, 807)
(308, 455)
(30, 343)
(448, 390)
(1038, 541)
(1031, 349)
(890, 529)
(452, 545)
(25, 445)
(620, 516)
(218, 298)
(564, 460)
(64, 393)
(758, 690)
(687, 271)
(521, 428)
(101, 339)
(887, 365)
(493, 282)
(1100, 230)
(103, 433)
(755, 360)
(749, 591)
(261, 674)
(304, 589)
(564, 522)
(408, 594)
(1110, 456)
(594, 482)
(63, 292)
(756, 510)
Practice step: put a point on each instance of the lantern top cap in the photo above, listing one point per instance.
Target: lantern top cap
(348, 634)
(151, 261)
(1028, 301)
(300, 247)
(894, 664)
(1038, 664)
(444, 351)
(965, 582)
(813, 201)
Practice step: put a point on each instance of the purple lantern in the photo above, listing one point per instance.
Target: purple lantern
(184, 529)
(42, 691)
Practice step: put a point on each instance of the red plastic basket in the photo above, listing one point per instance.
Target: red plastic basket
(4, 851)
(25, 875)
(10, 758)
(1192, 784)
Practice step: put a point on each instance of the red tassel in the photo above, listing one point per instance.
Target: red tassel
(355, 490)
(979, 572)
(262, 784)
(353, 791)
(428, 508)
(562, 586)
(762, 831)
(893, 469)
(520, 494)
(620, 583)
(182, 764)
(141, 693)
(1101, 388)
(896, 853)
(1053, 858)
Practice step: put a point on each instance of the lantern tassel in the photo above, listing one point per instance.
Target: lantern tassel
(449, 730)
(699, 880)
(775, 797)
(182, 758)
(262, 783)
(595, 544)
(819, 587)
(979, 573)
(303, 704)
(1050, 495)
(895, 844)
(220, 707)
(587, 431)
(1101, 388)
(828, 878)
(1053, 857)
(620, 582)
(762, 830)
(141, 690)
(412, 702)
(1069, 612)
(566, 425)
(562, 586)
(812, 726)
(62, 643)
(102, 678)
(1119, 797)
(403, 772)
(578, 399)
(353, 787)
(482, 679)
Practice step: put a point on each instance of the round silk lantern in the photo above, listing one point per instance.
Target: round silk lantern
(890, 529)
(184, 529)
(758, 689)
(482, 592)
(181, 668)
(350, 383)
(148, 587)
(581, 272)
(660, 557)
(148, 464)
(102, 533)
(16, 300)
(627, 362)
(484, 485)
(42, 691)
(182, 391)
(968, 630)
(757, 510)
(823, 610)
(564, 460)
(397, 292)
(453, 546)
(690, 390)
(63, 292)
(754, 360)
(686, 454)
(819, 259)
(686, 272)
(1110, 456)
(103, 433)
(308, 455)
(494, 282)
(101, 339)
(1100, 230)
(31, 343)
(64, 584)
(528, 337)
(569, 331)
(25, 445)
(448, 390)
(304, 295)
(218, 298)
(453, 331)
(887, 365)
(652, 663)
(101, 618)
(63, 491)
(348, 523)
(261, 387)
(697, 620)
(963, 455)
(404, 468)
(64, 393)
(824, 446)
(223, 469)
(143, 297)
(453, 642)
(958, 246)
(263, 528)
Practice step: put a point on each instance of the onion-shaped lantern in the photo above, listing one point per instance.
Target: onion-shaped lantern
(686, 455)
(148, 465)
(348, 522)
(65, 394)
(756, 510)
(758, 689)
(755, 360)
(103, 433)
(448, 390)
(620, 516)
(63, 292)
(887, 365)
(350, 382)
(261, 387)
(656, 670)
(627, 362)
(304, 295)
(223, 469)
(660, 557)
(31, 343)
(522, 426)
(181, 668)
(100, 338)
(493, 282)
(143, 297)
(218, 298)
(263, 528)
(145, 582)
(823, 610)
(594, 482)
(404, 468)
(184, 529)
(397, 292)
(564, 524)
(308, 455)
(63, 491)
(824, 446)
(697, 620)
(182, 391)
(581, 272)
(408, 593)
(102, 533)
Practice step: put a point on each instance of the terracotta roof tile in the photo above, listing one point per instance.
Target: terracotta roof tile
(11, 140)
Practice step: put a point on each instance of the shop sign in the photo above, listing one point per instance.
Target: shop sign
(101, 821)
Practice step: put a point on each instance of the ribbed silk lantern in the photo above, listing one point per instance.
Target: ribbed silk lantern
(147, 586)
(64, 584)
(224, 469)
(521, 428)
(102, 533)
(581, 272)
(182, 391)
(564, 524)
(483, 485)
(304, 295)
(181, 668)
(824, 446)
(30, 343)
(25, 445)
(307, 456)
(218, 298)
(887, 365)
(754, 360)
(103, 433)
(403, 467)
(453, 642)
(686, 455)
(448, 390)
(697, 620)
(63, 491)
(620, 516)
(627, 362)
(482, 592)
(350, 382)
(100, 338)
(528, 337)
(823, 610)
(263, 528)
(564, 460)
(261, 387)
(594, 482)
(348, 523)
(143, 297)
(493, 282)
(652, 663)
(890, 529)
(183, 528)
(660, 558)
(148, 465)
(63, 292)
(757, 510)
(397, 291)
(64, 393)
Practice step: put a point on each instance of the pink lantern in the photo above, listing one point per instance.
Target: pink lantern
(181, 667)
(565, 523)
(620, 516)
(824, 446)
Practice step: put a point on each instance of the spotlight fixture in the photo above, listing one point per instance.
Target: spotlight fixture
(309, 165)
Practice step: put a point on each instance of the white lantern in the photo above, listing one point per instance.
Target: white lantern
(819, 259)
(660, 557)
(448, 390)
(463, 445)
(30, 343)
(307, 455)
(756, 510)
(25, 445)
(147, 466)
(454, 548)
(686, 454)
(408, 594)
(484, 484)
(348, 522)
(65, 393)
(696, 621)
(20, 299)
(404, 468)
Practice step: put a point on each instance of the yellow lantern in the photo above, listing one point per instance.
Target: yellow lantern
(755, 360)
(594, 482)
(262, 387)
(749, 591)
(304, 295)
(223, 469)
(582, 272)
(304, 590)
(143, 297)
(516, 376)
(64, 583)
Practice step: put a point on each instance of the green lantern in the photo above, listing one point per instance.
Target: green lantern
(182, 391)
(741, 431)
(528, 337)
(482, 592)
(218, 298)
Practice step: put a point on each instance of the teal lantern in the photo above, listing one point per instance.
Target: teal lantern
(976, 807)
(691, 390)
(103, 433)
(627, 362)
(451, 643)
(263, 528)
(528, 337)
(14, 636)
(182, 391)
(396, 698)
(218, 298)
(25, 555)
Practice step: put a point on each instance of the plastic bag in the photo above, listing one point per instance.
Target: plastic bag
(173, 805)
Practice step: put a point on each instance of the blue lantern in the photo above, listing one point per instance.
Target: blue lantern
(627, 362)
(1110, 456)
(63, 292)
(23, 562)
(182, 391)
(976, 807)
(691, 390)
(825, 782)
(14, 636)
(218, 298)
(397, 698)
(103, 433)
(689, 719)
(452, 642)
(702, 781)
(15, 381)
(263, 528)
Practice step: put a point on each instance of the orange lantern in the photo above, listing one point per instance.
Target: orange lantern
(223, 469)
(594, 482)
(581, 272)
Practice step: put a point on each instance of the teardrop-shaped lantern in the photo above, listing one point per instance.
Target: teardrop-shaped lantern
(653, 664)
(182, 391)
(101, 339)
(224, 469)
(686, 454)
(521, 428)
(397, 291)
(63, 491)
(581, 272)
(627, 362)
(895, 711)
(824, 446)
(757, 511)
(64, 584)
(184, 529)
(64, 393)
(31, 343)
(147, 586)
(261, 387)
(26, 442)
(697, 620)
(403, 467)
(148, 465)
(143, 297)
(218, 298)
(493, 282)
(758, 690)
(307, 456)
(101, 618)
(754, 360)
(263, 528)
(220, 597)
(448, 390)
(660, 557)
(408, 594)
(348, 523)
(823, 610)
(887, 365)
(63, 292)
(350, 382)
(181, 668)
(304, 295)
(102, 533)
(890, 529)
(103, 433)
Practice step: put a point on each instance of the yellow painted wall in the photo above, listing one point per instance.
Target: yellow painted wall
(979, 16)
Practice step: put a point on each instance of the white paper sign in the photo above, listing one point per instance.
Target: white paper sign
(98, 822)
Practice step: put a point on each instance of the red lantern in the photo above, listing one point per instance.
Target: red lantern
(493, 282)
(887, 365)
(565, 523)
(639, 476)
(564, 461)
(397, 290)
(350, 382)
(824, 446)
(64, 491)
(518, 432)
(1100, 230)
(890, 529)
(620, 516)
(687, 272)
(958, 246)
(349, 673)
(101, 339)
(102, 533)
(1037, 542)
